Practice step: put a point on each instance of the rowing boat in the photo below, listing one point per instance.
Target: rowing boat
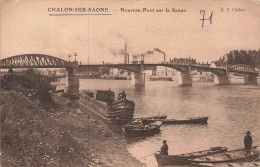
(196, 120)
(183, 158)
(138, 128)
(158, 117)
(237, 155)
(236, 164)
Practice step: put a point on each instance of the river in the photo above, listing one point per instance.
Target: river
(232, 110)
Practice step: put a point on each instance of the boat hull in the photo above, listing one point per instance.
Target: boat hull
(118, 112)
(160, 78)
(141, 130)
(156, 118)
(135, 133)
(183, 158)
(228, 157)
(199, 120)
(235, 164)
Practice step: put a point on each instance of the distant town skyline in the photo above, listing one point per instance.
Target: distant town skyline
(27, 27)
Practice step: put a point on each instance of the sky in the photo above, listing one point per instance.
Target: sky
(27, 27)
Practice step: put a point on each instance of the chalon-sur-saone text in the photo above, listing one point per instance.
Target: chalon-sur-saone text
(78, 9)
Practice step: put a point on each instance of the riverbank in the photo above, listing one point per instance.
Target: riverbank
(106, 143)
(62, 134)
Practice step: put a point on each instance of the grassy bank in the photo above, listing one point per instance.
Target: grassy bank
(63, 134)
(30, 137)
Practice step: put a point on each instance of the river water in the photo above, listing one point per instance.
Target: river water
(232, 110)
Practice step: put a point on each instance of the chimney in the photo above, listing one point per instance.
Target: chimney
(126, 57)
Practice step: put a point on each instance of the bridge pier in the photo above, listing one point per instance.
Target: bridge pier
(138, 79)
(221, 79)
(250, 80)
(184, 78)
(73, 79)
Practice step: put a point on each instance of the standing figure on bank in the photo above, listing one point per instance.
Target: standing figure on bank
(164, 148)
(109, 96)
(123, 95)
(248, 143)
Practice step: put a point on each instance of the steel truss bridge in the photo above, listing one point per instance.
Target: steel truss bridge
(32, 61)
(46, 61)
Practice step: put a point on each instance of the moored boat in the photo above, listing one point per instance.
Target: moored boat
(103, 104)
(228, 157)
(236, 164)
(138, 128)
(183, 158)
(157, 117)
(160, 78)
(197, 120)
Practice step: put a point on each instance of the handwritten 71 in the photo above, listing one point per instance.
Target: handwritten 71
(203, 17)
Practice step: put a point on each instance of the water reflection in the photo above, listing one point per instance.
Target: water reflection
(139, 90)
(186, 93)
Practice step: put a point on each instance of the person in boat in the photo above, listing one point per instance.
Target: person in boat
(248, 143)
(164, 148)
(122, 95)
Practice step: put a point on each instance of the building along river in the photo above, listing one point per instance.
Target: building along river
(232, 110)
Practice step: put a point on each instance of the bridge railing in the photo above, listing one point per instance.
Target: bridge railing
(97, 63)
(242, 67)
(100, 63)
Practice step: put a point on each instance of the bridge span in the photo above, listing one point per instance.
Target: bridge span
(137, 77)
(184, 78)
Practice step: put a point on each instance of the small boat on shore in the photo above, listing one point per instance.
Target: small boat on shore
(197, 120)
(157, 117)
(138, 128)
(228, 157)
(103, 104)
(183, 158)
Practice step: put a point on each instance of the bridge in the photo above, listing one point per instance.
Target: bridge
(184, 78)
(137, 76)
(33, 61)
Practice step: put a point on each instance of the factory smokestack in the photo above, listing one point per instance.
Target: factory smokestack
(127, 58)
(126, 55)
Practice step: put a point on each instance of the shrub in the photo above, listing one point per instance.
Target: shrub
(35, 83)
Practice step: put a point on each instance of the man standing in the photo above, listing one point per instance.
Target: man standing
(123, 95)
(164, 148)
(248, 143)
(109, 97)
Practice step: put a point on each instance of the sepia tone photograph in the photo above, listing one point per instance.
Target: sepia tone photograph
(130, 83)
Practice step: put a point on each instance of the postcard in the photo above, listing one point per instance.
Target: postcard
(130, 83)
